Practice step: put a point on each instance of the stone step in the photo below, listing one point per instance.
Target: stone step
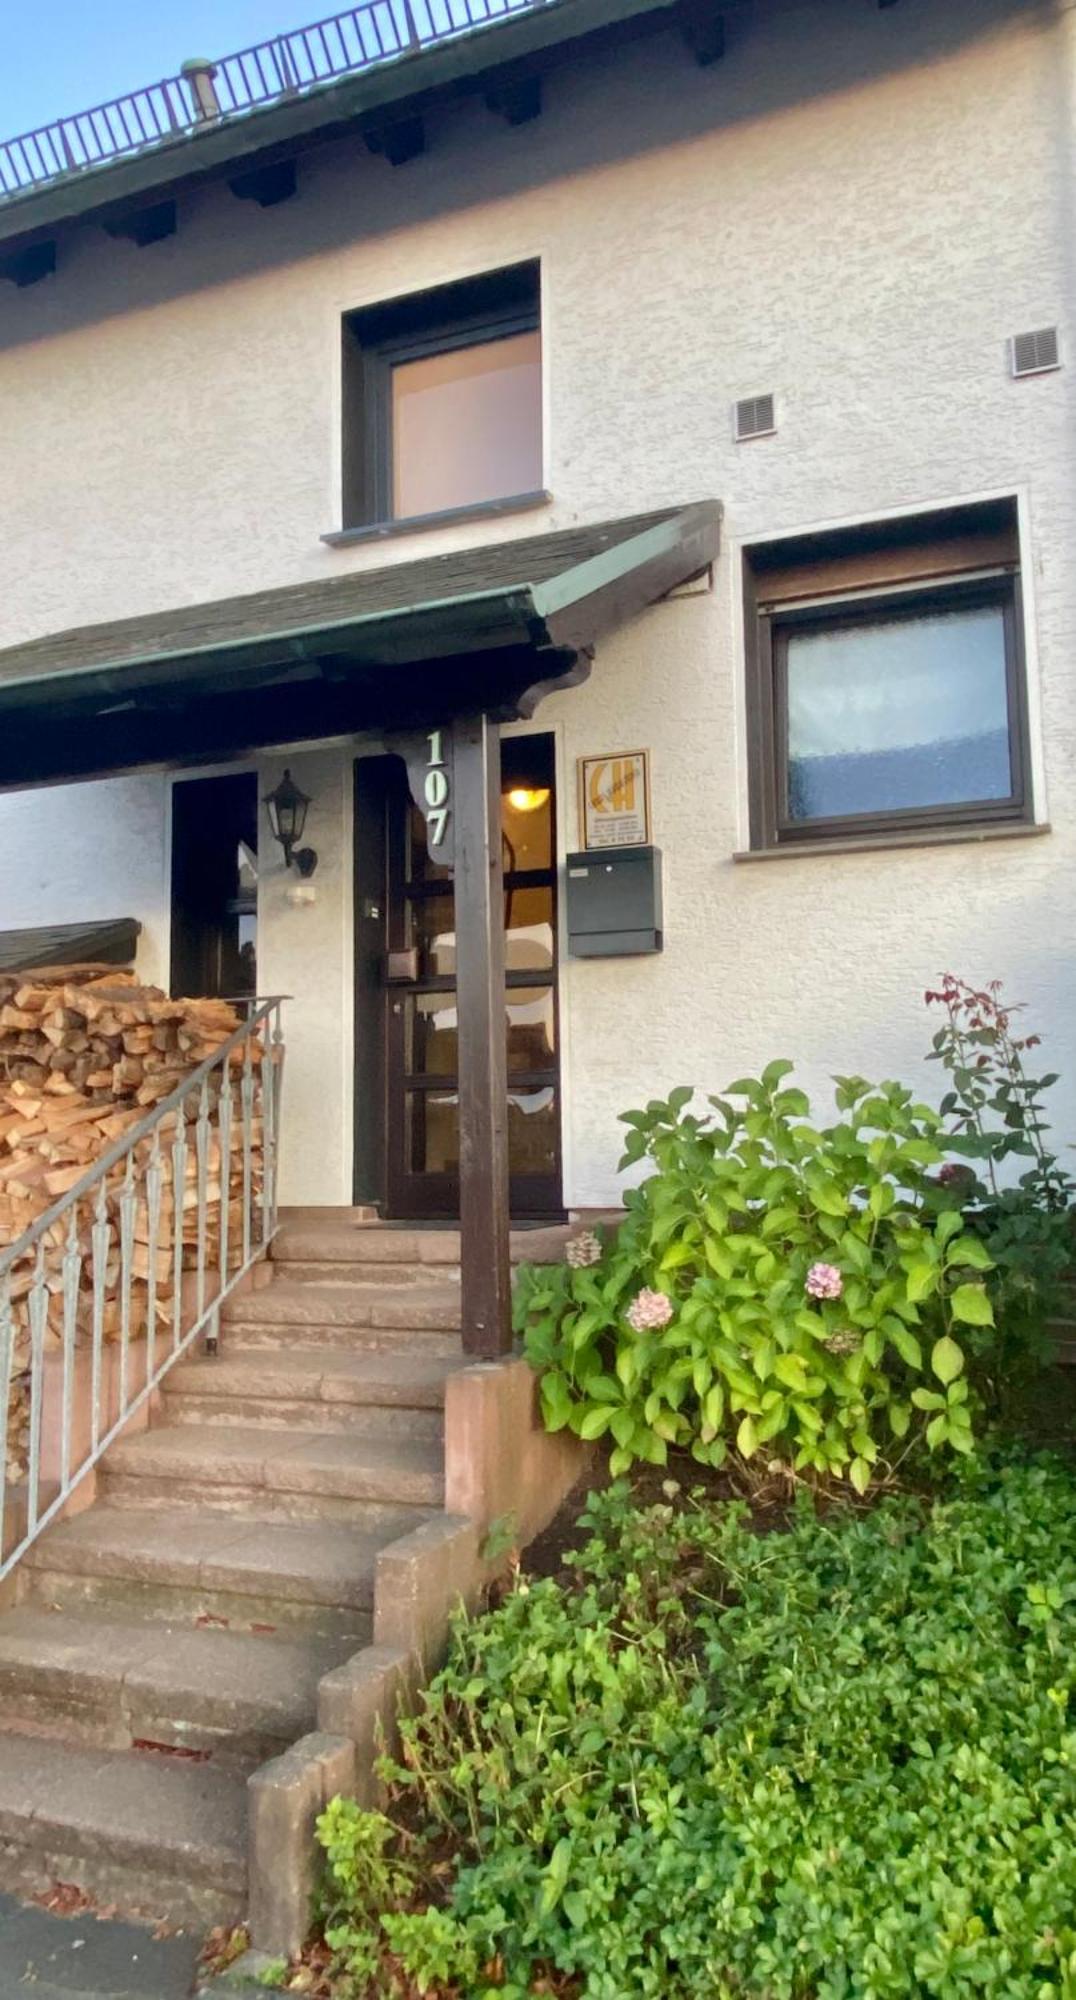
(296, 1474)
(159, 1836)
(351, 1316)
(310, 1271)
(305, 1244)
(365, 1271)
(318, 1241)
(277, 1413)
(120, 1683)
(377, 1393)
(275, 1576)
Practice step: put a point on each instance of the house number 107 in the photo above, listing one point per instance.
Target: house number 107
(436, 789)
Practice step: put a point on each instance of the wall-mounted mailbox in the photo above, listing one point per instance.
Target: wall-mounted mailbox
(613, 899)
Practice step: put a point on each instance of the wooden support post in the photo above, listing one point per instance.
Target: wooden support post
(483, 1077)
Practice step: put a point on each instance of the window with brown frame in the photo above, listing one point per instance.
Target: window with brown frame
(886, 688)
(442, 401)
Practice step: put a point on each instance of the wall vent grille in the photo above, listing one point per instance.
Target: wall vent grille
(755, 417)
(1034, 353)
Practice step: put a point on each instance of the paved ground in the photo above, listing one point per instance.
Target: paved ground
(45, 1957)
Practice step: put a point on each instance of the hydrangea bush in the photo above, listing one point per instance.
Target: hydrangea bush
(801, 1293)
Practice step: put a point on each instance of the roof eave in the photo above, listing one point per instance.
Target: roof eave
(594, 597)
(324, 112)
(406, 635)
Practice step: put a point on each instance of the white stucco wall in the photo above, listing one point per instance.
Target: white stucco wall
(76, 852)
(855, 210)
(305, 951)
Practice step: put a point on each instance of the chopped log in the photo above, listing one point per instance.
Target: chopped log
(85, 1052)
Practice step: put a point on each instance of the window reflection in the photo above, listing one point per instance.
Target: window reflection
(432, 1038)
(467, 425)
(897, 713)
(432, 1131)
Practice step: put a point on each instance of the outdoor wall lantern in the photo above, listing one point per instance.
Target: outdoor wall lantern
(287, 808)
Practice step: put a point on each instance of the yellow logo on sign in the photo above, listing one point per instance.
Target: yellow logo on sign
(612, 785)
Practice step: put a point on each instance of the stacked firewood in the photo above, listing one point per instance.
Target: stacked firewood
(85, 1054)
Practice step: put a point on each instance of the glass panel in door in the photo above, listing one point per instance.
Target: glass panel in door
(423, 1037)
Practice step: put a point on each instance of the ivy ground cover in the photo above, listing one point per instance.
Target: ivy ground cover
(835, 1760)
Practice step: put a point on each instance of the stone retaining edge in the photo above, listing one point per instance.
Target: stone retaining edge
(501, 1466)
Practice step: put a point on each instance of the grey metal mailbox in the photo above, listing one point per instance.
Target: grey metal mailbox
(613, 900)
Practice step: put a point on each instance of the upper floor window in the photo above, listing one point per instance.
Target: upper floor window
(442, 400)
(886, 683)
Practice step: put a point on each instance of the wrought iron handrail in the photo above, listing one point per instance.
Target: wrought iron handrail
(204, 93)
(77, 1272)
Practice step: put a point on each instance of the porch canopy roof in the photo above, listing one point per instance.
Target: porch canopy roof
(484, 630)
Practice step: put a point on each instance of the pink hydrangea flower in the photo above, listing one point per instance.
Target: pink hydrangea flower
(824, 1281)
(649, 1309)
(582, 1250)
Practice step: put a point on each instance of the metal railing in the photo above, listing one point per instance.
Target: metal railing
(203, 93)
(114, 1282)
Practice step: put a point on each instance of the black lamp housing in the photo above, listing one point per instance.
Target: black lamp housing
(287, 807)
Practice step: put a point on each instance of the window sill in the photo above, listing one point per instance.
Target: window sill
(873, 843)
(415, 524)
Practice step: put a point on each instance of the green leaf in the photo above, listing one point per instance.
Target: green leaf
(791, 1369)
(682, 1095)
(557, 1401)
(595, 1421)
(937, 1431)
(601, 1389)
(947, 1359)
(713, 1407)
(622, 1425)
(719, 1256)
(900, 1417)
(948, 1225)
(927, 1399)
(775, 1072)
(677, 1254)
(556, 1876)
(747, 1438)
(859, 1473)
(970, 1305)
(905, 1343)
(827, 1197)
(971, 1253)
(922, 1280)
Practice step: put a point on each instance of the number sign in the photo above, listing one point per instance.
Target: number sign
(429, 760)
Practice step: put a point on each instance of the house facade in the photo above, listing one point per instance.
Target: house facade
(750, 332)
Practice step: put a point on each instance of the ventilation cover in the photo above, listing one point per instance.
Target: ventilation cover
(1034, 353)
(755, 417)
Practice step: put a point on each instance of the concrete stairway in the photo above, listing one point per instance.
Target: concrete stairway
(170, 1638)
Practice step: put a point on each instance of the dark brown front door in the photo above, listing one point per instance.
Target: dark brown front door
(421, 1023)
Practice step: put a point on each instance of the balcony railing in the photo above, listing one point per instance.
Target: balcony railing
(203, 94)
(115, 1281)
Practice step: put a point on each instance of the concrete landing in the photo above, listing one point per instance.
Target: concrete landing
(46, 1957)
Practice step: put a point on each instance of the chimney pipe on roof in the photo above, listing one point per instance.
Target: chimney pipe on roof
(199, 74)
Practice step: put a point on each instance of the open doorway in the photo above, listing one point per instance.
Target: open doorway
(215, 887)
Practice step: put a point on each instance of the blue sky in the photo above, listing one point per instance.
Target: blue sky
(60, 56)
